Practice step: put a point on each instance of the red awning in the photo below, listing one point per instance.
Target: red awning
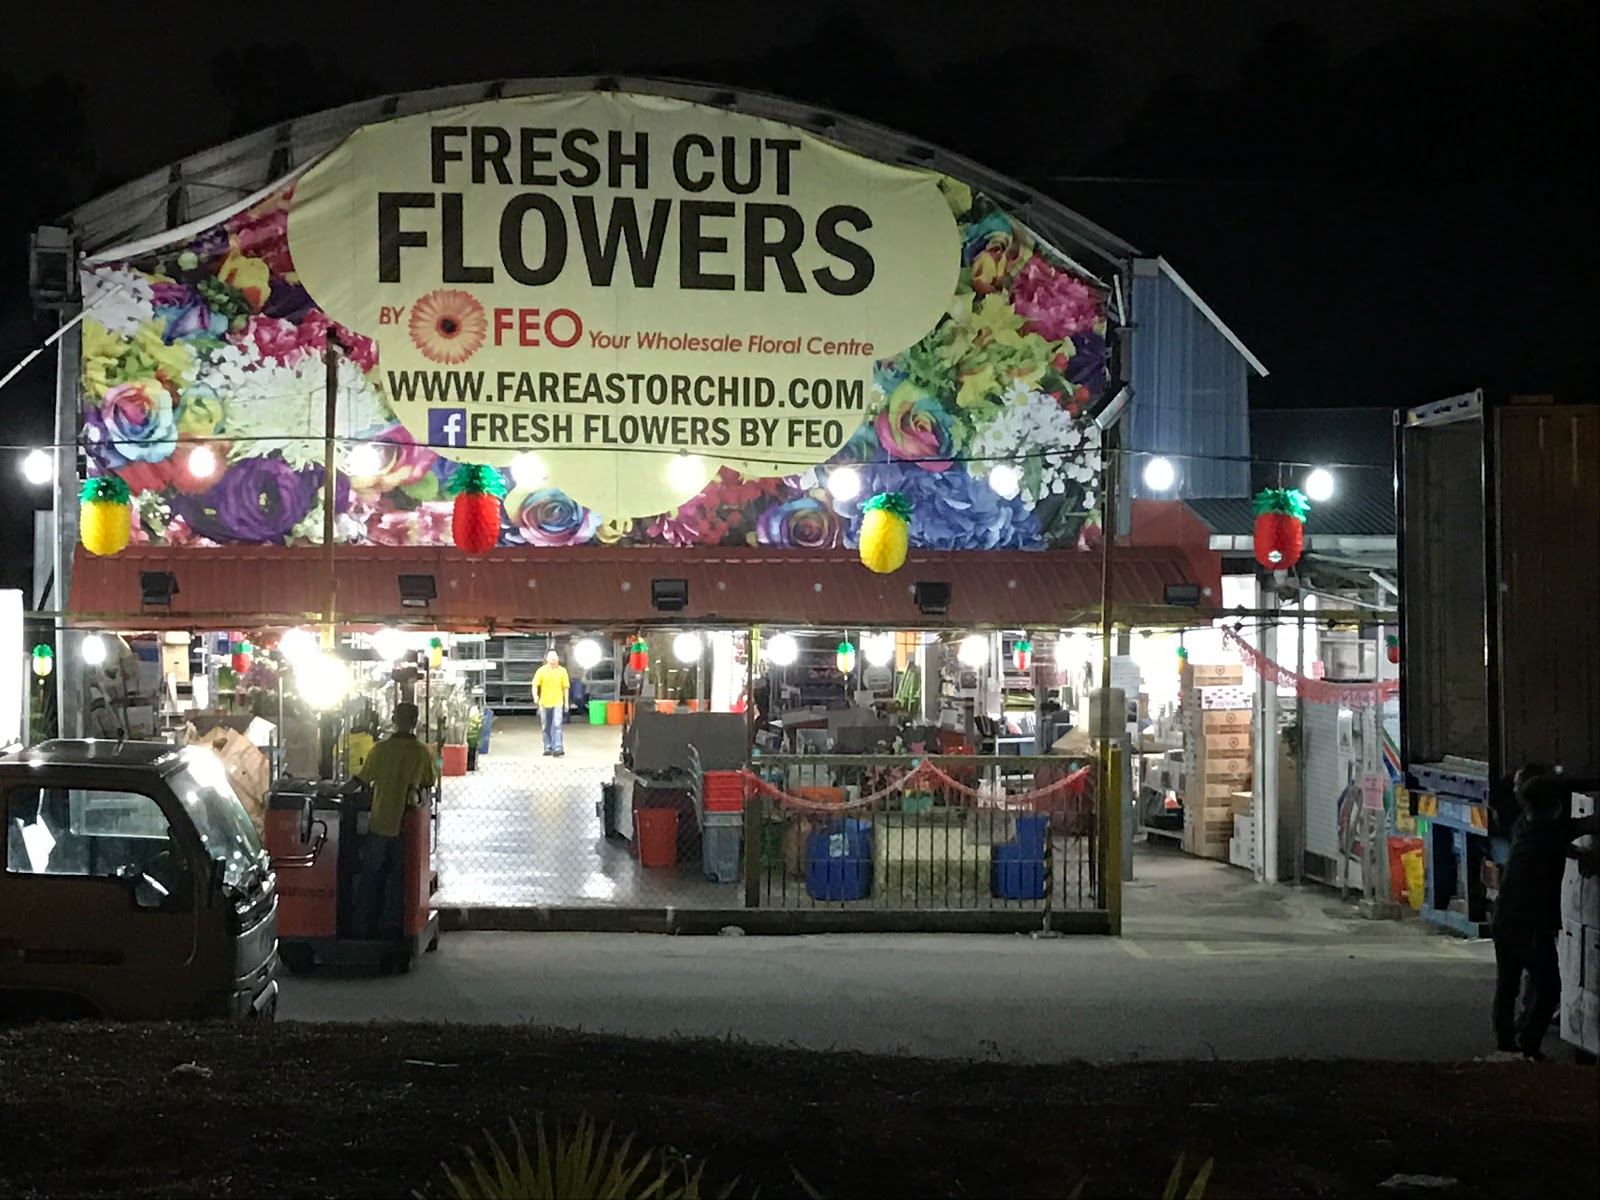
(598, 586)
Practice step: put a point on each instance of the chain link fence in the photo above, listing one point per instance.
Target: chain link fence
(523, 829)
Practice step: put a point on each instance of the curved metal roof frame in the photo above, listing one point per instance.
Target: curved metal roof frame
(207, 187)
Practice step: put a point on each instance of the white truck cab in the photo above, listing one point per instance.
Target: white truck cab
(134, 887)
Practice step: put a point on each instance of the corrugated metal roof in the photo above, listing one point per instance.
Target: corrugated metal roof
(599, 586)
(206, 187)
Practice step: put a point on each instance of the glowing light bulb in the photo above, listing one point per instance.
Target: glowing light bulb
(686, 647)
(1319, 485)
(94, 650)
(1006, 480)
(587, 653)
(844, 483)
(687, 474)
(363, 461)
(782, 649)
(1159, 474)
(527, 470)
(38, 468)
(974, 651)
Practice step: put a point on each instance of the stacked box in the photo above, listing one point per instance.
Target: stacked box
(1218, 765)
(1579, 949)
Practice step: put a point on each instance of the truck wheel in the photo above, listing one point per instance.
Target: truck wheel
(297, 957)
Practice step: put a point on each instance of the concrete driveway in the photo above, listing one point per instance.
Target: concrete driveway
(1212, 966)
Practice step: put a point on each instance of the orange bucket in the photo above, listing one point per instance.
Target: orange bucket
(694, 705)
(666, 706)
(453, 760)
(616, 711)
(655, 833)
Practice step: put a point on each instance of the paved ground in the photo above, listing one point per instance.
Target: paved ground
(1211, 966)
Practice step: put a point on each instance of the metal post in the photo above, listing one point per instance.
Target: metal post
(69, 660)
(1298, 867)
(1111, 807)
(330, 480)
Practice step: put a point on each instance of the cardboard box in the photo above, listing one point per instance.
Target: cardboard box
(1227, 743)
(1223, 720)
(1569, 954)
(1223, 768)
(1220, 698)
(1212, 675)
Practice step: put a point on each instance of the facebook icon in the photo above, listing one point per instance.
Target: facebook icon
(447, 426)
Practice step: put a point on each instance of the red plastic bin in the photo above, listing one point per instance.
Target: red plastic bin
(656, 835)
(722, 791)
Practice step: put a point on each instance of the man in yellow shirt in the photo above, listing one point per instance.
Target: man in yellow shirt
(551, 688)
(397, 768)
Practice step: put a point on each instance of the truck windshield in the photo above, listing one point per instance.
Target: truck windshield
(224, 826)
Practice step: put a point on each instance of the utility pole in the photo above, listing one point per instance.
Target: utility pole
(330, 479)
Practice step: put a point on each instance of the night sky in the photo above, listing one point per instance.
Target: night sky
(1387, 201)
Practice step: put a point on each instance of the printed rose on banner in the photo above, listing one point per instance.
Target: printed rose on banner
(915, 426)
(201, 411)
(806, 522)
(994, 250)
(426, 525)
(256, 500)
(612, 533)
(250, 277)
(547, 517)
(263, 231)
(184, 313)
(1053, 303)
(132, 422)
(401, 463)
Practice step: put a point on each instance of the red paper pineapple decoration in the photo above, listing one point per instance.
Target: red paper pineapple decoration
(1393, 644)
(1021, 653)
(638, 655)
(475, 521)
(1280, 527)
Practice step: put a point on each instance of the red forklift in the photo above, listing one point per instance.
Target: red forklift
(314, 831)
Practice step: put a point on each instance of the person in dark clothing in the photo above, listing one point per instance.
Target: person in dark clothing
(1527, 915)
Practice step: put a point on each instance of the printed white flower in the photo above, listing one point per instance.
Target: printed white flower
(283, 408)
(119, 298)
(1032, 426)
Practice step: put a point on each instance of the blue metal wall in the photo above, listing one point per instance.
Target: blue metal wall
(1189, 395)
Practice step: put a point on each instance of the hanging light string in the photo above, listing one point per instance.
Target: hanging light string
(456, 453)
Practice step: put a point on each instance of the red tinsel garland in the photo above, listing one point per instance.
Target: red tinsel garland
(1320, 691)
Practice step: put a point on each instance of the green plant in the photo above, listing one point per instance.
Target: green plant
(582, 1165)
(1197, 1186)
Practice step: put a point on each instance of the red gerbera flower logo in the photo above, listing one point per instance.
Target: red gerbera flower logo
(448, 326)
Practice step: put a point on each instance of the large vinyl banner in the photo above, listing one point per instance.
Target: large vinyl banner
(666, 323)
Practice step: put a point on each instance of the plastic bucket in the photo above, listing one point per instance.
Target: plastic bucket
(597, 712)
(615, 711)
(655, 832)
(666, 706)
(453, 760)
(694, 705)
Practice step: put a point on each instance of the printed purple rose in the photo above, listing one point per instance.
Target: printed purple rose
(805, 522)
(256, 500)
(186, 314)
(548, 517)
(132, 422)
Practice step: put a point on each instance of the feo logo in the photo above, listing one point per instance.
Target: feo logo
(448, 326)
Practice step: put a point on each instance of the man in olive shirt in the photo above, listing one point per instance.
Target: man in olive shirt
(397, 768)
(551, 690)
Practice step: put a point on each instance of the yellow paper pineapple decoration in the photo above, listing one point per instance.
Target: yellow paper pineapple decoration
(105, 515)
(885, 532)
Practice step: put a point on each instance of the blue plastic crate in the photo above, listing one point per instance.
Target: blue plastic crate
(839, 860)
(1017, 872)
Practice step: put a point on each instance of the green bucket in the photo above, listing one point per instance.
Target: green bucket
(597, 712)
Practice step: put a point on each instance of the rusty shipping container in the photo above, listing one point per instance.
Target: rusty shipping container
(1500, 603)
